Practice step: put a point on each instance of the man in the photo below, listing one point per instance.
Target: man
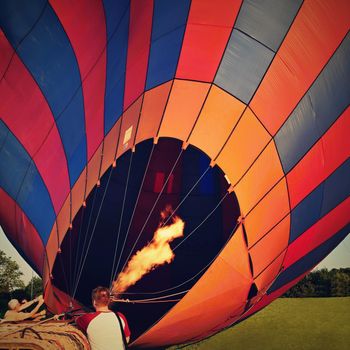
(105, 329)
(15, 307)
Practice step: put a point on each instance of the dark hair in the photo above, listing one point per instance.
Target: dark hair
(101, 296)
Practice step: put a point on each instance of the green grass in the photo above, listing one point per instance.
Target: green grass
(288, 324)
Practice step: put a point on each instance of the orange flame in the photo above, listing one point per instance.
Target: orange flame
(156, 253)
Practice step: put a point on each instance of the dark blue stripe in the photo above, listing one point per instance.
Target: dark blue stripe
(310, 260)
(169, 22)
(334, 190)
(14, 162)
(117, 26)
(20, 178)
(47, 53)
(320, 107)
(243, 66)
(267, 21)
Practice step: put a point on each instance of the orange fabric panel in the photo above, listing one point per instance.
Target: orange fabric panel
(268, 298)
(220, 294)
(315, 34)
(270, 210)
(153, 107)
(129, 127)
(242, 148)
(270, 246)
(207, 32)
(266, 278)
(110, 146)
(325, 156)
(63, 220)
(219, 115)
(185, 102)
(78, 194)
(93, 170)
(52, 246)
(260, 178)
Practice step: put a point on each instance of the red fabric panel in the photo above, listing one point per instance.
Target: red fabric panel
(169, 188)
(58, 301)
(140, 29)
(324, 229)
(29, 240)
(6, 54)
(208, 30)
(76, 18)
(7, 215)
(20, 230)
(326, 156)
(315, 34)
(158, 182)
(24, 110)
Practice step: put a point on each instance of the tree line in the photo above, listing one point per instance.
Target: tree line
(322, 283)
(12, 285)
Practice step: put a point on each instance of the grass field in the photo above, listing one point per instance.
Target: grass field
(288, 324)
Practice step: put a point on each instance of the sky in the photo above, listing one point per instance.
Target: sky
(340, 257)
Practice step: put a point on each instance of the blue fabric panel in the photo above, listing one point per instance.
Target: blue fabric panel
(18, 17)
(20, 178)
(14, 163)
(117, 26)
(35, 201)
(330, 193)
(47, 53)
(306, 213)
(3, 134)
(267, 21)
(244, 64)
(337, 188)
(168, 27)
(310, 260)
(317, 111)
(207, 182)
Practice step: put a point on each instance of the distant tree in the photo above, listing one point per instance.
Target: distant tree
(34, 287)
(322, 283)
(340, 284)
(10, 274)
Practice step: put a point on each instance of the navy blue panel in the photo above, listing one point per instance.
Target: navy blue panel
(14, 163)
(35, 201)
(310, 260)
(207, 182)
(320, 107)
(3, 134)
(267, 21)
(334, 190)
(306, 213)
(169, 20)
(244, 64)
(47, 53)
(18, 17)
(20, 178)
(117, 22)
(337, 188)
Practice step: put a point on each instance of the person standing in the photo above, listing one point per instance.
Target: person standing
(105, 329)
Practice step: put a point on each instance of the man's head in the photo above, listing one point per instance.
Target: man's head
(14, 304)
(100, 297)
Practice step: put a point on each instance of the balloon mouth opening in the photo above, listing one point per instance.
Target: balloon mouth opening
(121, 216)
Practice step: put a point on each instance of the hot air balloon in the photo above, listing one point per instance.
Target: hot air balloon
(234, 113)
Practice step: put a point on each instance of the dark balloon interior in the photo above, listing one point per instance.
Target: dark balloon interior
(113, 210)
